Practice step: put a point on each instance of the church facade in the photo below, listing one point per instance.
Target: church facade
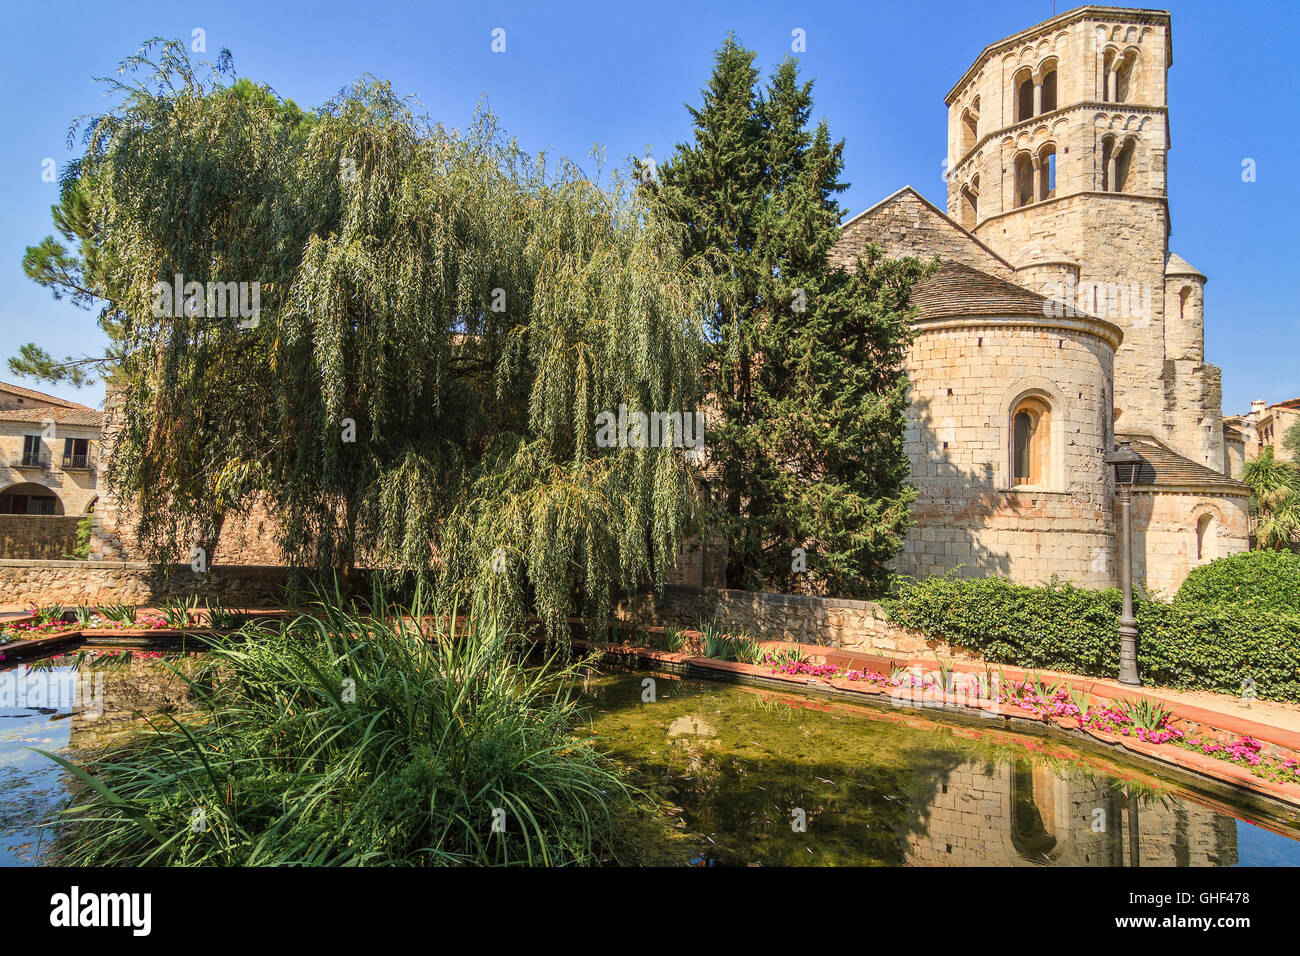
(1059, 322)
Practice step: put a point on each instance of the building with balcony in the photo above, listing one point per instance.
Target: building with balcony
(49, 471)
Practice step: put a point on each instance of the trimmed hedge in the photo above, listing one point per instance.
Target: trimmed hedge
(1267, 580)
(1188, 645)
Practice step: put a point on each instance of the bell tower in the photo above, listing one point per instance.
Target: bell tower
(1057, 141)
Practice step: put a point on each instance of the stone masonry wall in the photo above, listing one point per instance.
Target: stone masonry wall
(1165, 534)
(906, 225)
(37, 536)
(965, 383)
(834, 622)
(27, 583)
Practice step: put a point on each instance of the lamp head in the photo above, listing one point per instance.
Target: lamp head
(1126, 463)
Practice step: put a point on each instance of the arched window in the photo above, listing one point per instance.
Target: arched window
(1024, 180)
(1184, 295)
(1031, 461)
(970, 203)
(969, 208)
(969, 131)
(1107, 70)
(1207, 538)
(1024, 95)
(1124, 77)
(1047, 172)
(1049, 88)
(1124, 166)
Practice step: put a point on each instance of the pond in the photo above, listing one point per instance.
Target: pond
(761, 777)
(737, 776)
(72, 704)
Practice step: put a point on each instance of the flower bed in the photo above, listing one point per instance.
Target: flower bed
(26, 630)
(1245, 752)
(147, 622)
(835, 672)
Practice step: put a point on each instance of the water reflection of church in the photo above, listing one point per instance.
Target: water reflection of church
(1020, 814)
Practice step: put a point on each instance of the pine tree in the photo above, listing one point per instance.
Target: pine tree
(806, 358)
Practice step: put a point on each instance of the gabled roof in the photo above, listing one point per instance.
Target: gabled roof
(911, 192)
(1163, 467)
(37, 414)
(31, 393)
(47, 407)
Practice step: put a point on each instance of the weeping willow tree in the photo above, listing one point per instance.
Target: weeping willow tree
(439, 321)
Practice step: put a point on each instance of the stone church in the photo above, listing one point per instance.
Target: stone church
(1060, 322)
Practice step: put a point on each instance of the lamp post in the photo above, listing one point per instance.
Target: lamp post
(1126, 462)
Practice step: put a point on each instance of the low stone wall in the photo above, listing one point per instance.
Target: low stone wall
(835, 622)
(37, 536)
(27, 583)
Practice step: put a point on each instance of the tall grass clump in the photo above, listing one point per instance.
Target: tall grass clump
(346, 739)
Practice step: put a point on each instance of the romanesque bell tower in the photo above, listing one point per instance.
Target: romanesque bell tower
(1057, 139)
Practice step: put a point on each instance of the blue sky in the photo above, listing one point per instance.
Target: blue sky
(575, 74)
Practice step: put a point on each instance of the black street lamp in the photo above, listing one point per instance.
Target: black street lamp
(1126, 463)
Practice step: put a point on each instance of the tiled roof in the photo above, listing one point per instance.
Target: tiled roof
(36, 414)
(955, 289)
(1161, 465)
(1289, 403)
(37, 396)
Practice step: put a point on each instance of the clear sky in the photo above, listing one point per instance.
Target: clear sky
(574, 74)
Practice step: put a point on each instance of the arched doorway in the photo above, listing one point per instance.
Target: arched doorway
(30, 498)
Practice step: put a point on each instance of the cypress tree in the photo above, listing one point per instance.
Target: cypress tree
(805, 358)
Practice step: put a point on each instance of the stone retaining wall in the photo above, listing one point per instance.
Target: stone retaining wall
(37, 536)
(27, 583)
(835, 622)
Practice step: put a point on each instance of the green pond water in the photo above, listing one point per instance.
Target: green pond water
(734, 775)
(751, 776)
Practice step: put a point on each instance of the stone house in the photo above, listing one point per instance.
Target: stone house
(49, 471)
(1265, 427)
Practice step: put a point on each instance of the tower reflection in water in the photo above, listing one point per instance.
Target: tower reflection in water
(1019, 813)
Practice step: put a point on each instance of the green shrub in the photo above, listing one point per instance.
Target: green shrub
(1185, 645)
(340, 739)
(81, 550)
(1267, 580)
(1054, 627)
